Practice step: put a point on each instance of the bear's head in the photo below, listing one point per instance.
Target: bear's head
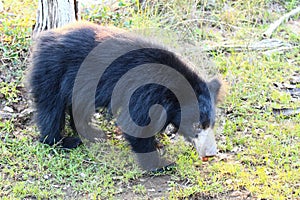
(201, 133)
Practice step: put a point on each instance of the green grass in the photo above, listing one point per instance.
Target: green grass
(261, 150)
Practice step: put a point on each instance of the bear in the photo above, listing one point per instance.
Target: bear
(58, 56)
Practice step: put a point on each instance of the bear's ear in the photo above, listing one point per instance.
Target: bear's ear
(215, 87)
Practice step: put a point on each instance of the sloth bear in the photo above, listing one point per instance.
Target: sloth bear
(57, 57)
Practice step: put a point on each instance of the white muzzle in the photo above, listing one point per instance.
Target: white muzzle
(205, 143)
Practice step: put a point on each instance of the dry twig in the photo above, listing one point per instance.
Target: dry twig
(268, 33)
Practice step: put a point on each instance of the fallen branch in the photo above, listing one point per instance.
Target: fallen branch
(286, 111)
(268, 33)
(267, 45)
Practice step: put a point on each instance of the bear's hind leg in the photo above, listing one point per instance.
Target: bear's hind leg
(50, 119)
(71, 141)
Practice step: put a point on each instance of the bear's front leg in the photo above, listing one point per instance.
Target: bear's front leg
(153, 162)
(147, 154)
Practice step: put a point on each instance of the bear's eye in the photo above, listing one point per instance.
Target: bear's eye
(197, 126)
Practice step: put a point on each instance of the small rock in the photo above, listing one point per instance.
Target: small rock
(229, 181)
(239, 194)
(8, 109)
(5, 115)
(46, 177)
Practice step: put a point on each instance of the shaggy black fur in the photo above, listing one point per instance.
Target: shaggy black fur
(56, 58)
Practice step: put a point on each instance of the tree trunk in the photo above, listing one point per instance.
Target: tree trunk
(54, 14)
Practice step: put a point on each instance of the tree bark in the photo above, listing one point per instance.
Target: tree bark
(54, 14)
